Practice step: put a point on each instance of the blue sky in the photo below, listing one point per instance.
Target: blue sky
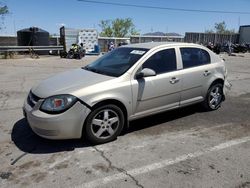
(50, 14)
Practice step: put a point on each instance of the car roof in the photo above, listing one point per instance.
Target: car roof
(150, 45)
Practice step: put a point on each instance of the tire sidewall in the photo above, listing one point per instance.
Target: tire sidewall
(88, 123)
(208, 107)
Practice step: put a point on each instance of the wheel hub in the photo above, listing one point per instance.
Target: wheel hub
(215, 97)
(105, 123)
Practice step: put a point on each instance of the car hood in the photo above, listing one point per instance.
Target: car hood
(68, 82)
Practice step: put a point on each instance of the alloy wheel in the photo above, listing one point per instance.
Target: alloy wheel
(215, 97)
(105, 124)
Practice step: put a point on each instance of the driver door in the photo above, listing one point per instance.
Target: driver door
(157, 93)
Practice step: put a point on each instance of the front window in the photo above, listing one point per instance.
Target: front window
(162, 61)
(116, 62)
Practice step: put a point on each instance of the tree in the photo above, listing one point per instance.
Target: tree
(117, 28)
(106, 28)
(209, 31)
(220, 28)
(3, 11)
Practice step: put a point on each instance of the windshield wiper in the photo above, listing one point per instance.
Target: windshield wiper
(96, 71)
(91, 69)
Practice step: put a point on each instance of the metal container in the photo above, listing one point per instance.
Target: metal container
(33, 36)
(69, 36)
(244, 34)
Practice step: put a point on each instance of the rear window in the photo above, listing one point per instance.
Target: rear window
(192, 57)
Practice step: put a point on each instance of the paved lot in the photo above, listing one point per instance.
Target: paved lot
(181, 148)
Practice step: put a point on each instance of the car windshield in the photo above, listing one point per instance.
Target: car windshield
(116, 62)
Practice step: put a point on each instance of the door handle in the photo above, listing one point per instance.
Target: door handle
(206, 73)
(174, 80)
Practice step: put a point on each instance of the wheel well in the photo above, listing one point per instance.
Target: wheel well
(114, 102)
(218, 81)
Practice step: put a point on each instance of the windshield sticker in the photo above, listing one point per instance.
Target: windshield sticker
(138, 52)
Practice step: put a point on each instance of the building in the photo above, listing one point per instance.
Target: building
(157, 37)
(244, 34)
(215, 38)
(142, 39)
(8, 40)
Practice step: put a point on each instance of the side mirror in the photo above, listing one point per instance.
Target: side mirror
(146, 72)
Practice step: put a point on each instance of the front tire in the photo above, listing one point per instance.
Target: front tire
(214, 97)
(104, 124)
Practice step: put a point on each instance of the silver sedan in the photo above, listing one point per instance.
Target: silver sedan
(130, 82)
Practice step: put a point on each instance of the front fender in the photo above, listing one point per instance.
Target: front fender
(120, 98)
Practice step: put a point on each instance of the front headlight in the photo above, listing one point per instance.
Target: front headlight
(58, 104)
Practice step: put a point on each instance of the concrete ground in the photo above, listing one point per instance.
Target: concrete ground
(181, 148)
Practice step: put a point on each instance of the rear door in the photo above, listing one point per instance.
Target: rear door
(196, 72)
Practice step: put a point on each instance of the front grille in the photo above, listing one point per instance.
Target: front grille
(32, 99)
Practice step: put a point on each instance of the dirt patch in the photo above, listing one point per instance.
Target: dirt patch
(38, 177)
(244, 185)
(88, 172)
(52, 158)
(229, 132)
(101, 167)
(212, 166)
(24, 184)
(61, 166)
(76, 160)
(235, 131)
(13, 178)
(8, 154)
(5, 175)
(29, 164)
(188, 167)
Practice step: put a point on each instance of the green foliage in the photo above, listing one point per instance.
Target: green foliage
(133, 31)
(221, 28)
(117, 28)
(3, 11)
(209, 31)
(106, 28)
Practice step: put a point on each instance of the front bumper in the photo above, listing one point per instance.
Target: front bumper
(67, 125)
(227, 87)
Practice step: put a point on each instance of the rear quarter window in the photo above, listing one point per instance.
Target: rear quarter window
(192, 57)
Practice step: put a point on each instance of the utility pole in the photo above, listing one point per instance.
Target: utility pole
(14, 24)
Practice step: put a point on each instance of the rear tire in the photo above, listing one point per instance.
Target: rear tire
(214, 97)
(104, 124)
